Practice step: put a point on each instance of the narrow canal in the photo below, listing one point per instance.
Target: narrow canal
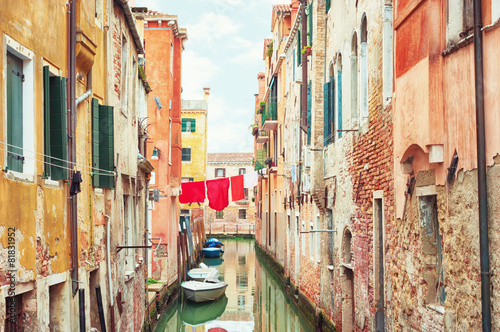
(254, 300)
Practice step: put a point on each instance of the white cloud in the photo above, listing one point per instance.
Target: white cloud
(248, 51)
(212, 27)
(197, 72)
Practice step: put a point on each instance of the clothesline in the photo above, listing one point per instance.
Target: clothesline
(217, 190)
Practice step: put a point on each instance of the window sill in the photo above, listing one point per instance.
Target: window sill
(436, 307)
(51, 183)
(16, 176)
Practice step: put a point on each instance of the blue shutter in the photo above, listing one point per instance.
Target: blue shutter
(310, 25)
(326, 112)
(339, 103)
(299, 46)
(14, 113)
(327, 7)
(309, 113)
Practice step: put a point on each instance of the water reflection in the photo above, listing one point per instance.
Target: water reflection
(254, 300)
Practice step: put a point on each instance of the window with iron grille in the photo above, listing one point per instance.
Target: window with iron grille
(242, 171)
(242, 214)
(219, 215)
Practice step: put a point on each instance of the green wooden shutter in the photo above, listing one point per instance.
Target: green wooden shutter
(96, 179)
(309, 25)
(193, 125)
(327, 7)
(183, 125)
(339, 101)
(46, 119)
(14, 113)
(299, 47)
(332, 109)
(106, 146)
(309, 113)
(326, 112)
(58, 128)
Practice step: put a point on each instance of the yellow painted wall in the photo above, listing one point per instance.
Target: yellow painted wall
(197, 141)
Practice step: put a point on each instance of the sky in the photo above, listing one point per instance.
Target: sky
(224, 52)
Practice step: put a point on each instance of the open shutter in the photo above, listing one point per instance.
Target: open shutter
(96, 178)
(327, 7)
(46, 118)
(14, 113)
(106, 146)
(299, 46)
(309, 113)
(326, 112)
(331, 118)
(339, 101)
(309, 25)
(58, 128)
(193, 125)
(183, 125)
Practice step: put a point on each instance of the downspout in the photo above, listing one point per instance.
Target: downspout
(110, 281)
(303, 35)
(72, 144)
(481, 169)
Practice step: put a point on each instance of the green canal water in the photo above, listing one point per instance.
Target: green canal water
(254, 299)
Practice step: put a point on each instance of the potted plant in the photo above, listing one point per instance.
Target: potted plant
(255, 129)
(307, 50)
(270, 49)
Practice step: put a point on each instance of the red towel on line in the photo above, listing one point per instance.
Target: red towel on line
(218, 193)
(192, 192)
(237, 191)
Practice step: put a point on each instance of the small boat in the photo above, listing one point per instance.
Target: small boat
(209, 290)
(211, 252)
(212, 261)
(213, 242)
(199, 313)
(200, 274)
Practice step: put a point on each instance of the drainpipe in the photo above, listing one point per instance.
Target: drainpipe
(303, 123)
(72, 144)
(481, 169)
(110, 281)
(87, 93)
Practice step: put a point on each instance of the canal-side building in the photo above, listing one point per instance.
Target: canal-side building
(238, 216)
(194, 115)
(72, 175)
(435, 232)
(164, 45)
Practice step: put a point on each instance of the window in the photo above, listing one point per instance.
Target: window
(187, 179)
(14, 313)
(242, 171)
(241, 300)
(245, 190)
(242, 214)
(103, 151)
(55, 122)
(188, 125)
(171, 58)
(220, 172)
(20, 126)
(354, 76)
(219, 215)
(339, 97)
(124, 77)
(186, 154)
(184, 212)
(363, 73)
(329, 105)
(460, 20)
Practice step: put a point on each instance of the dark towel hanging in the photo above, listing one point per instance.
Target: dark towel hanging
(75, 183)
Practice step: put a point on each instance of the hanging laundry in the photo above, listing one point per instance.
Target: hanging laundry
(251, 179)
(192, 192)
(237, 191)
(75, 183)
(218, 193)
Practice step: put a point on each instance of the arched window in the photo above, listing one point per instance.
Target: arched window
(354, 76)
(363, 73)
(347, 247)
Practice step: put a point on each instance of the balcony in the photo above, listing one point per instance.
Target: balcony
(262, 136)
(270, 116)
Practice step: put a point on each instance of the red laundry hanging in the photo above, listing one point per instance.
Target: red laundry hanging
(237, 191)
(218, 193)
(192, 192)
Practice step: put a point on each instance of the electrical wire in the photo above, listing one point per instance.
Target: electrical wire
(107, 173)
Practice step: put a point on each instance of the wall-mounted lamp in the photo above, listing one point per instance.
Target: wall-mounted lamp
(156, 154)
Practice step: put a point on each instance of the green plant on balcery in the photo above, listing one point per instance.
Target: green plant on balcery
(306, 49)
(270, 49)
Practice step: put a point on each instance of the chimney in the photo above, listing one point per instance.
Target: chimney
(206, 94)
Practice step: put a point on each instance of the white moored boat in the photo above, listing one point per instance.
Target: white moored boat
(200, 274)
(208, 290)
